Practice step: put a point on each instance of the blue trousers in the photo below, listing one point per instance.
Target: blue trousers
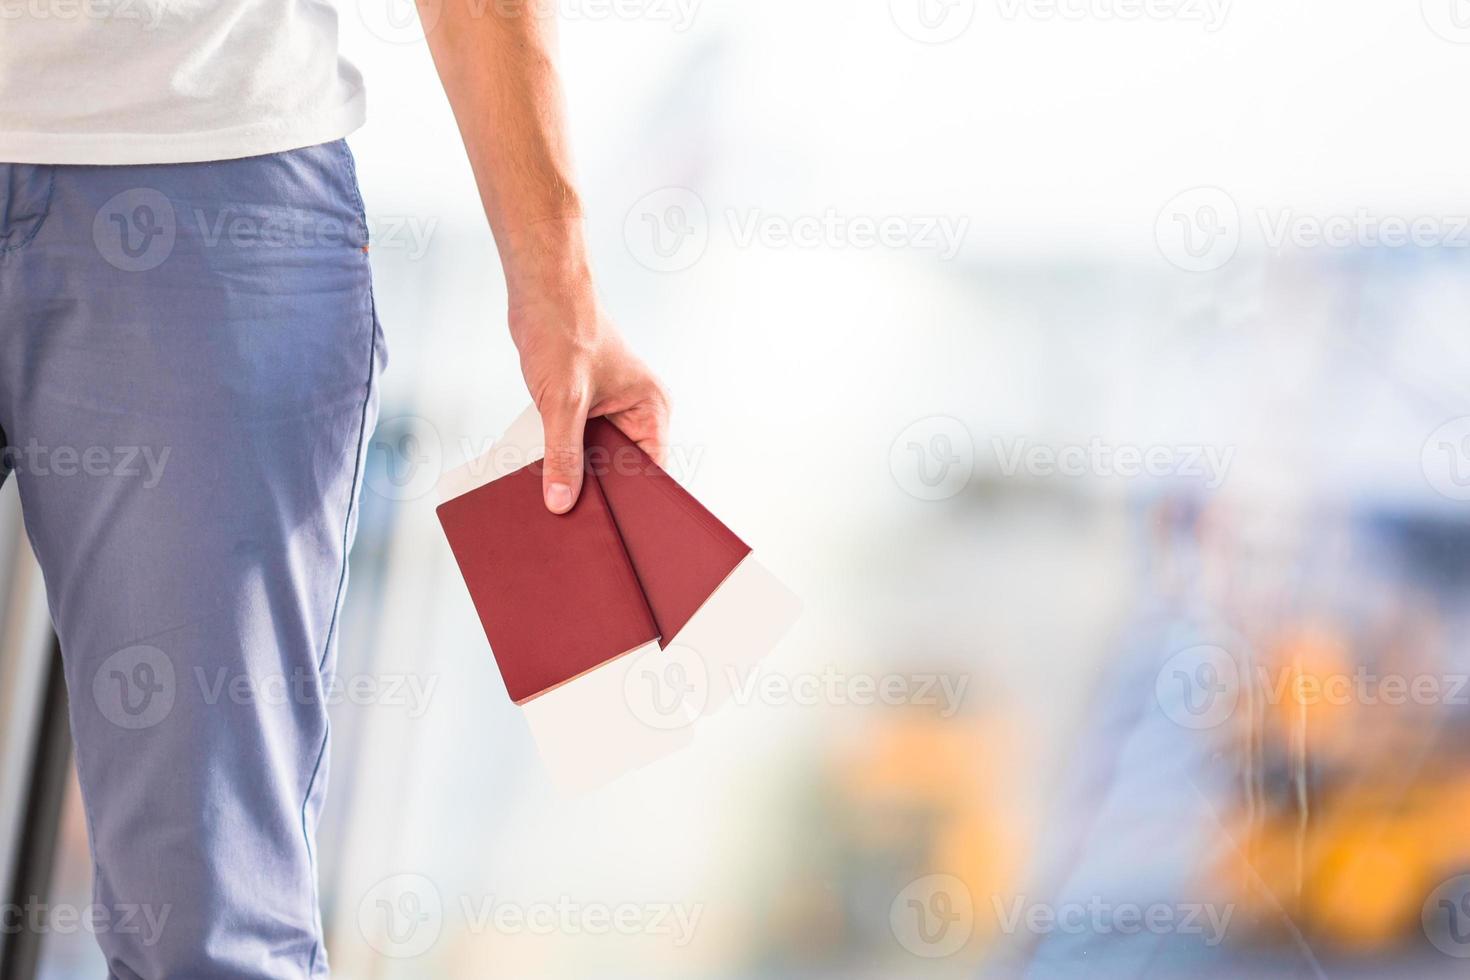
(188, 365)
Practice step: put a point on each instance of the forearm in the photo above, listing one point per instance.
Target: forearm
(496, 60)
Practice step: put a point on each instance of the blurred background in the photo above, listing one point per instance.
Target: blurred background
(1093, 370)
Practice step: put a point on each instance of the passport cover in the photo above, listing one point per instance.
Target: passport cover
(679, 550)
(560, 595)
(556, 593)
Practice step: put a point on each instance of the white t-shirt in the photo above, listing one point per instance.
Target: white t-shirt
(170, 81)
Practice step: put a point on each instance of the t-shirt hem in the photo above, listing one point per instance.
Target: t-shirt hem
(119, 149)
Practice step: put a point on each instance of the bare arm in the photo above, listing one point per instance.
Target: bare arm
(495, 58)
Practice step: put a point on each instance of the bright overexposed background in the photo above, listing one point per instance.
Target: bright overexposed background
(821, 386)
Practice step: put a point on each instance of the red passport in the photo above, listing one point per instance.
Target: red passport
(560, 595)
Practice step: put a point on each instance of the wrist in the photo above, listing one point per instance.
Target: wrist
(545, 258)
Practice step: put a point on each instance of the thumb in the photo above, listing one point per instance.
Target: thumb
(561, 476)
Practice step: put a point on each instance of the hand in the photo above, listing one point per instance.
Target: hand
(578, 366)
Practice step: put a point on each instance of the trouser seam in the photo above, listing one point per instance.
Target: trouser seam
(337, 607)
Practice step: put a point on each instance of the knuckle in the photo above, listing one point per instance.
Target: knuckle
(566, 397)
(663, 404)
(563, 459)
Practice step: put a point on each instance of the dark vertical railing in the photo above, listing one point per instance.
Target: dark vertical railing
(46, 790)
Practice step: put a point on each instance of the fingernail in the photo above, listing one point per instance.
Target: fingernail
(559, 498)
